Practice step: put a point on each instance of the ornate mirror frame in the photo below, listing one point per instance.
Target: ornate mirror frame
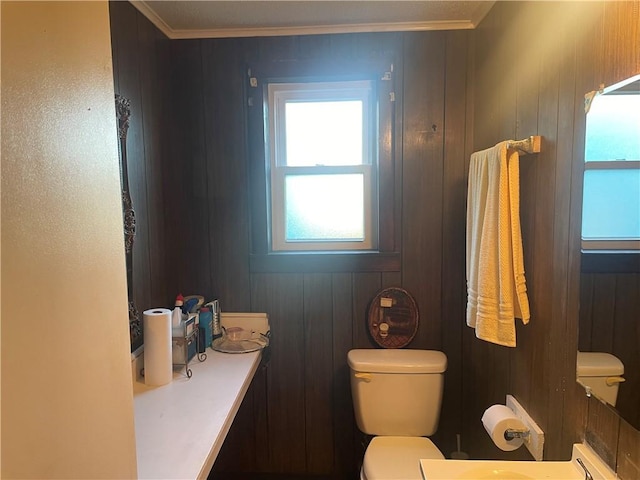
(123, 112)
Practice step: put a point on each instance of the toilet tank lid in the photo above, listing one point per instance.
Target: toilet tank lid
(598, 364)
(397, 361)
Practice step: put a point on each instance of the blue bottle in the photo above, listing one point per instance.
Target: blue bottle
(206, 323)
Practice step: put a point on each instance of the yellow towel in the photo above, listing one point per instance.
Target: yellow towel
(496, 286)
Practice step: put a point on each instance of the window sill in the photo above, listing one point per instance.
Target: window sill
(330, 262)
(610, 261)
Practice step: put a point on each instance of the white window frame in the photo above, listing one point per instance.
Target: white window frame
(611, 243)
(278, 94)
(618, 244)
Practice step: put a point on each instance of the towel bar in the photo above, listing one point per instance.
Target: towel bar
(528, 145)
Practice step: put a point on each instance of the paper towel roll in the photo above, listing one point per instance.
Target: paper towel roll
(496, 420)
(158, 368)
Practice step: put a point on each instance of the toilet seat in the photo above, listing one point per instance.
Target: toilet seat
(397, 458)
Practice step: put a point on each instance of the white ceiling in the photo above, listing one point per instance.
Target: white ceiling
(247, 18)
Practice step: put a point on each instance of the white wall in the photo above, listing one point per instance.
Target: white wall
(67, 403)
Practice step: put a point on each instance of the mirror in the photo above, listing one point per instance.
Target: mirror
(609, 324)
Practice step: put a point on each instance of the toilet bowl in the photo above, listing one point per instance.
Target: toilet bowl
(397, 457)
(397, 395)
(601, 373)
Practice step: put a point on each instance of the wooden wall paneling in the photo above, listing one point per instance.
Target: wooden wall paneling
(195, 271)
(556, 102)
(491, 382)
(281, 49)
(545, 404)
(318, 374)
(256, 155)
(604, 305)
(486, 367)
(365, 287)
(586, 305)
(494, 93)
(466, 334)
(485, 382)
(621, 40)
(592, 55)
(602, 431)
(563, 327)
(344, 455)
(456, 155)
(313, 47)
(259, 387)
(281, 296)
(398, 135)
(238, 452)
(477, 58)
(590, 62)
(128, 51)
(188, 255)
(564, 305)
(526, 68)
(226, 172)
(626, 339)
(137, 170)
(387, 221)
(154, 68)
(391, 279)
(574, 422)
(423, 130)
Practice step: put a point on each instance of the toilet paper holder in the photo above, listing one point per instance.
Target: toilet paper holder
(511, 433)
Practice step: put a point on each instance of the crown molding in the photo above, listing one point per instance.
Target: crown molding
(319, 29)
(152, 16)
(177, 34)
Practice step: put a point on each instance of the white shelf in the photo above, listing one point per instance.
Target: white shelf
(181, 426)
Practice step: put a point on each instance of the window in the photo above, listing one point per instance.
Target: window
(322, 161)
(611, 203)
(323, 170)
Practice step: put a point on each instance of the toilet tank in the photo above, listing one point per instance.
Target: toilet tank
(397, 391)
(602, 373)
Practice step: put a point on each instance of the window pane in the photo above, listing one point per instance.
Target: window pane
(611, 207)
(324, 207)
(613, 128)
(323, 133)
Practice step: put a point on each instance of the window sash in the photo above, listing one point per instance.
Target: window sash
(278, 209)
(612, 243)
(278, 95)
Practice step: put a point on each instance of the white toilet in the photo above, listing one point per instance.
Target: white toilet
(397, 396)
(602, 373)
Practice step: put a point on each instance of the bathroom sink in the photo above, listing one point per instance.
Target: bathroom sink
(517, 470)
(499, 470)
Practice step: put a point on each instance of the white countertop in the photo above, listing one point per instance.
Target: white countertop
(181, 426)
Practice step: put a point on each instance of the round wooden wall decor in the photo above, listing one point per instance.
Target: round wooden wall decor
(392, 318)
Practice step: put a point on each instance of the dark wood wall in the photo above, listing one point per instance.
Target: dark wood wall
(299, 409)
(140, 70)
(532, 68)
(523, 72)
(525, 84)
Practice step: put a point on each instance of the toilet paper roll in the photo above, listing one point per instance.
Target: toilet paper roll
(496, 420)
(158, 367)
